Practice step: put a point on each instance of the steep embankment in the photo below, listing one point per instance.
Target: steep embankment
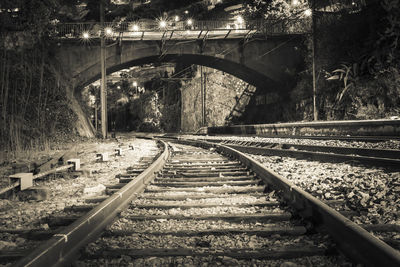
(36, 97)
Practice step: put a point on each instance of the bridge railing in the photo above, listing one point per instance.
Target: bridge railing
(115, 29)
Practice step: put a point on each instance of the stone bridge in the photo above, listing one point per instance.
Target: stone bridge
(267, 63)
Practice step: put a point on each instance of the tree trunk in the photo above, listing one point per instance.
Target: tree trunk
(40, 90)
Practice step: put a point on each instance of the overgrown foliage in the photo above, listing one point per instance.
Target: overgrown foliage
(368, 85)
(33, 98)
(33, 101)
(357, 58)
(275, 9)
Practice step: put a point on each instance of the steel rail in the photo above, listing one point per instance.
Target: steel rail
(372, 139)
(356, 138)
(63, 247)
(320, 156)
(357, 243)
(369, 152)
(367, 130)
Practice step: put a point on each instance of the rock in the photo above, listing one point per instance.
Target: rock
(6, 244)
(94, 190)
(21, 167)
(44, 226)
(5, 205)
(83, 172)
(38, 193)
(289, 264)
(228, 261)
(203, 243)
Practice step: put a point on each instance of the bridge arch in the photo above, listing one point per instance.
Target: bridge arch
(238, 70)
(264, 63)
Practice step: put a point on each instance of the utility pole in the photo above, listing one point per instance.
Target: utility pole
(313, 32)
(96, 107)
(103, 92)
(202, 95)
(205, 98)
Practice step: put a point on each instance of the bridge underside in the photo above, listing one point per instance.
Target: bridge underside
(263, 63)
(235, 69)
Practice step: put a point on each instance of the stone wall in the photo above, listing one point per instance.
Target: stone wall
(226, 99)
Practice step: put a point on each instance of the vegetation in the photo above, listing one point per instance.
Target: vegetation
(357, 58)
(33, 99)
(362, 77)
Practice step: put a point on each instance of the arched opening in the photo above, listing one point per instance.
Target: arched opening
(185, 102)
(238, 70)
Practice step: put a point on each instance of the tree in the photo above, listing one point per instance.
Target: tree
(275, 9)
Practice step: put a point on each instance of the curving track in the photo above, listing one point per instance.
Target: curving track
(377, 157)
(206, 207)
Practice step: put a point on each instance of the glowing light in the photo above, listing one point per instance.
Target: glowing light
(186, 12)
(108, 31)
(118, 87)
(189, 21)
(134, 83)
(163, 24)
(135, 27)
(85, 35)
(176, 18)
(308, 12)
(240, 20)
(295, 2)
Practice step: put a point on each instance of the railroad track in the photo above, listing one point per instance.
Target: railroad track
(387, 158)
(349, 130)
(199, 207)
(371, 138)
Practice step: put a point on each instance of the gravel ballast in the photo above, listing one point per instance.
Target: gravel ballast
(68, 189)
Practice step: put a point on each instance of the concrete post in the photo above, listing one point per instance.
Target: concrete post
(25, 179)
(104, 157)
(76, 162)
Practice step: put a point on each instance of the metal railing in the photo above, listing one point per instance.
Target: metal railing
(116, 29)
